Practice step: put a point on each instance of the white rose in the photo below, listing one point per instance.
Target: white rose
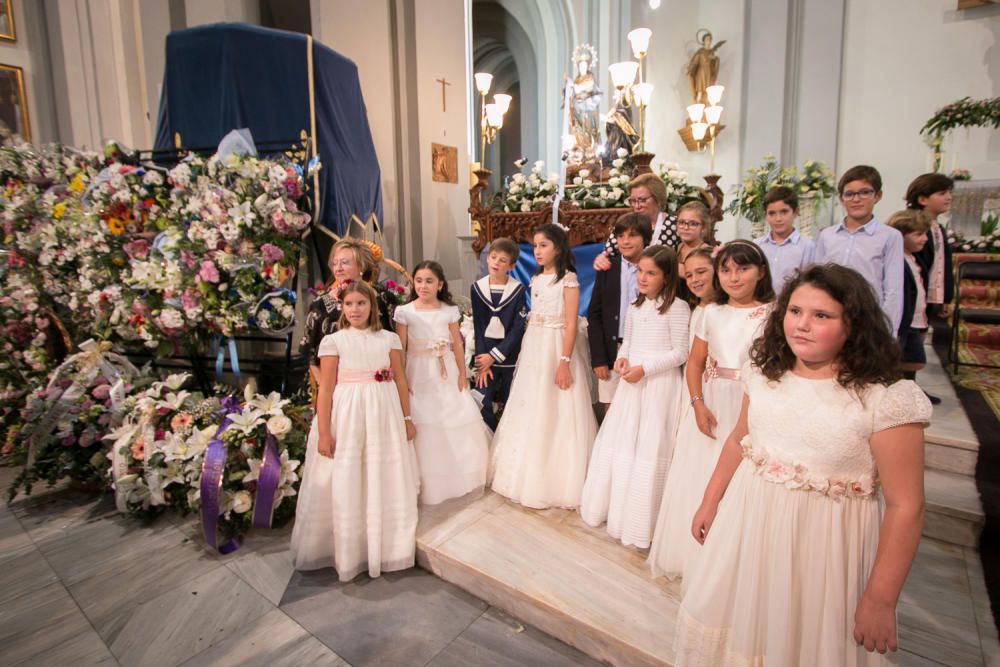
(525, 206)
(622, 152)
(514, 189)
(242, 501)
(539, 165)
(587, 183)
(171, 319)
(279, 426)
(617, 164)
(613, 181)
(518, 178)
(584, 173)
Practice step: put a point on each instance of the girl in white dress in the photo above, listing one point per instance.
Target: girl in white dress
(742, 284)
(542, 443)
(800, 567)
(357, 508)
(452, 441)
(629, 463)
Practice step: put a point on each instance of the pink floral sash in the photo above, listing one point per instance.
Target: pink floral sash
(432, 347)
(713, 370)
(796, 476)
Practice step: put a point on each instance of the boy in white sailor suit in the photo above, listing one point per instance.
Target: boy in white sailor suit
(499, 314)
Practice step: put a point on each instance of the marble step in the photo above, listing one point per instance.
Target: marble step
(954, 456)
(552, 571)
(954, 511)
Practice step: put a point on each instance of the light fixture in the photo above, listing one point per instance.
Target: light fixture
(698, 130)
(695, 112)
(623, 73)
(714, 94)
(713, 114)
(639, 39)
(503, 101)
(642, 93)
(494, 116)
(654, 4)
(483, 81)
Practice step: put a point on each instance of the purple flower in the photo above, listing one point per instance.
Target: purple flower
(272, 253)
(208, 272)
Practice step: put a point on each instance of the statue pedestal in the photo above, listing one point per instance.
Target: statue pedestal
(641, 161)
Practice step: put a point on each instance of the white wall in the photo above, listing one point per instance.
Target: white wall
(904, 59)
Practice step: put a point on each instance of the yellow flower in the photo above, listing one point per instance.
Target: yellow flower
(59, 210)
(116, 226)
(76, 185)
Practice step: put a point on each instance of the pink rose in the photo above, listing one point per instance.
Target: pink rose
(208, 272)
(272, 253)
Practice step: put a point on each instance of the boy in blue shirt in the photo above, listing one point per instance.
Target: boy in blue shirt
(786, 250)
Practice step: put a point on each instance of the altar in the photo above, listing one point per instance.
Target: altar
(971, 202)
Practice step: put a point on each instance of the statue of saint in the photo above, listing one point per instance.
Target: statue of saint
(584, 100)
(703, 68)
(619, 131)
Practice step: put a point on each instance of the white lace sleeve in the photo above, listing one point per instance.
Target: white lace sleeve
(902, 403)
(570, 281)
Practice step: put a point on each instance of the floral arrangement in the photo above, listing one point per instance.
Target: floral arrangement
(62, 424)
(612, 194)
(159, 455)
(527, 192)
(988, 243)
(275, 312)
(966, 112)
(960, 175)
(392, 291)
(679, 191)
(814, 181)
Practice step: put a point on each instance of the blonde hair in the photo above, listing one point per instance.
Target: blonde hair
(367, 291)
(909, 220)
(654, 184)
(363, 256)
(703, 214)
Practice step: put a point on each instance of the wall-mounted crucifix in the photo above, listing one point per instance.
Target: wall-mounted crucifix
(443, 82)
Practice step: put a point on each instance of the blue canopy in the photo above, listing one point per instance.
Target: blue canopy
(230, 75)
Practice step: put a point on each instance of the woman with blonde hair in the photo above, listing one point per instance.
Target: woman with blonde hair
(351, 260)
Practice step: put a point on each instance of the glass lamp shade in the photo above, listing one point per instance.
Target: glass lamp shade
(639, 39)
(698, 130)
(695, 112)
(494, 116)
(713, 114)
(654, 4)
(643, 93)
(714, 94)
(483, 81)
(502, 101)
(623, 73)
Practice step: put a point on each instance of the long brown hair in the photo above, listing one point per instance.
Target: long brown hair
(367, 291)
(743, 253)
(666, 261)
(869, 356)
(443, 294)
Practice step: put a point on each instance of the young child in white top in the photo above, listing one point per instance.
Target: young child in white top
(629, 464)
(357, 508)
(452, 441)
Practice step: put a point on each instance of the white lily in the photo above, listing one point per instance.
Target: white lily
(247, 421)
(271, 404)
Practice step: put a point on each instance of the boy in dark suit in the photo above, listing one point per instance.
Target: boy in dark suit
(499, 315)
(614, 290)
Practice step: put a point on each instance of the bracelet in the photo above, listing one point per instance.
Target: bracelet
(563, 357)
(407, 418)
(697, 398)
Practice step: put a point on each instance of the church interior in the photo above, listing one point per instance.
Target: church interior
(179, 177)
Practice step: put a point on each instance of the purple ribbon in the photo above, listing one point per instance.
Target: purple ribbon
(267, 483)
(212, 469)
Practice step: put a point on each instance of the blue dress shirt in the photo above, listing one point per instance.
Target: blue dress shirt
(795, 252)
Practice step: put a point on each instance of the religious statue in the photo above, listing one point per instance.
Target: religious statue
(584, 99)
(703, 68)
(619, 131)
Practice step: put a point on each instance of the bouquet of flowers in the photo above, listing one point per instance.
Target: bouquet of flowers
(988, 243)
(679, 191)
(527, 192)
(63, 424)
(960, 175)
(815, 181)
(275, 312)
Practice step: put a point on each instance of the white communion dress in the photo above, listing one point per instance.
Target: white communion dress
(629, 463)
(357, 512)
(542, 444)
(794, 540)
(452, 441)
(729, 332)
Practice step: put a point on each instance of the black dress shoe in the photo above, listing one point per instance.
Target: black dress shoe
(933, 399)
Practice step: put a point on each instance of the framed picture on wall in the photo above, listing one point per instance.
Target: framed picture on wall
(7, 21)
(13, 102)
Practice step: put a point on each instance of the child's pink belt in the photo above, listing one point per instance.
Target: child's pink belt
(361, 377)
(713, 370)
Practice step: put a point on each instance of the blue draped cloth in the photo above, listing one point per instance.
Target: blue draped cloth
(583, 257)
(227, 76)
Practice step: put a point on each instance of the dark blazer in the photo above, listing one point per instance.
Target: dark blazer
(909, 298)
(925, 258)
(603, 314)
(510, 308)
